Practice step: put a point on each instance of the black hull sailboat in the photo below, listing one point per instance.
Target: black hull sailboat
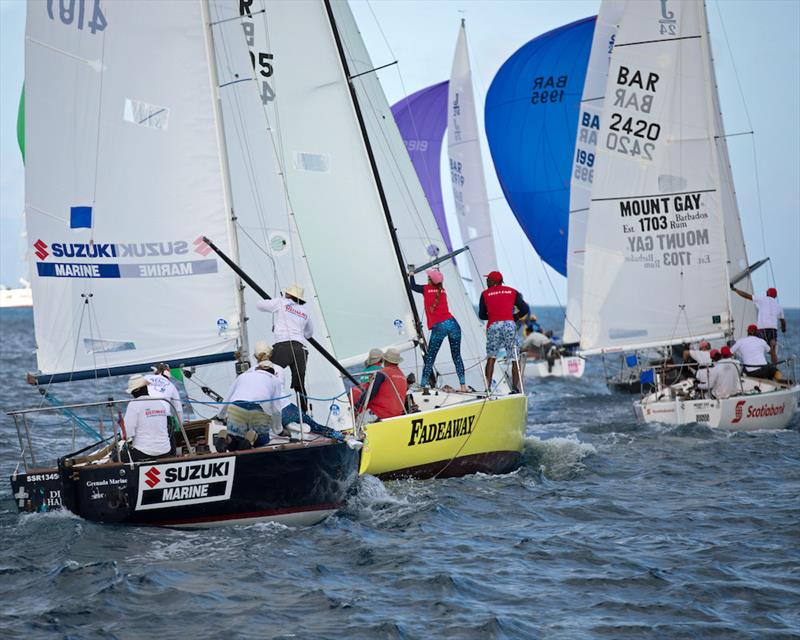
(296, 484)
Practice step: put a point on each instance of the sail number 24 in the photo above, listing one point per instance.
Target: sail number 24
(68, 10)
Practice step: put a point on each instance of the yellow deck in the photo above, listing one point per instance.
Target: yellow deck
(479, 435)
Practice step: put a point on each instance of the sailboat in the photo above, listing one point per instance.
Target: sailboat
(121, 187)
(531, 117)
(13, 298)
(663, 237)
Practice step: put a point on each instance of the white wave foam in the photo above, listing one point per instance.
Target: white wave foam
(557, 458)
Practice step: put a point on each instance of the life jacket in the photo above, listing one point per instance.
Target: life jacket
(389, 401)
(441, 312)
(499, 301)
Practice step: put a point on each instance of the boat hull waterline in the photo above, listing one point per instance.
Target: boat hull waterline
(481, 436)
(292, 484)
(563, 367)
(750, 412)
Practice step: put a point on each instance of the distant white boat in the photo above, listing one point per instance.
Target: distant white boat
(14, 298)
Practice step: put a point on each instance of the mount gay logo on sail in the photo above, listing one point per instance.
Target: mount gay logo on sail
(97, 251)
(183, 483)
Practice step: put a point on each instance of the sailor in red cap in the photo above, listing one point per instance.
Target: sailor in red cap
(770, 313)
(500, 306)
(724, 378)
(752, 352)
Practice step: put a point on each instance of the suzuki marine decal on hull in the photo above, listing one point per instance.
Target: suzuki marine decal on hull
(184, 483)
(117, 253)
(422, 433)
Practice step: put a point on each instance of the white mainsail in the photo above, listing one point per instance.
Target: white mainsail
(466, 168)
(416, 230)
(123, 175)
(584, 162)
(656, 269)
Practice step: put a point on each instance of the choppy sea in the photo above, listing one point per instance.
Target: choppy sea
(609, 530)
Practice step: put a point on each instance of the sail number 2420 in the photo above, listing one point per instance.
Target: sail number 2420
(74, 12)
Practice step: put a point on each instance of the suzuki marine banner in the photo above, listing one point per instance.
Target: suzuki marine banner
(184, 483)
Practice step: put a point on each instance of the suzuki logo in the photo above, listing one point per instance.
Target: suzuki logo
(201, 247)
(41, 249)
(739, 411)
(152, 477)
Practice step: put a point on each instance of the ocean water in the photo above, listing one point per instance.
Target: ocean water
(609, 530)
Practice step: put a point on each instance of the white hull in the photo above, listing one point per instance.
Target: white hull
(13, 298)
(773, 408)
(566, 366)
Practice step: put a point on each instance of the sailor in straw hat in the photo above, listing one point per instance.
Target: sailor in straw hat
(146, 422)
(291, 328)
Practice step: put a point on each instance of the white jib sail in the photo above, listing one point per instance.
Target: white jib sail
(270, 248)
(123, 175)
(416, 229)
(466, 168)
(585, 160)
(656, 261)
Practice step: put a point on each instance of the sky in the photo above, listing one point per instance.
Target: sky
(757, 56)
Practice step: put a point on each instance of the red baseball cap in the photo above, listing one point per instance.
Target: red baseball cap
(714, 354)
(725, 352)
(751, 329)
(495, 275)
(772, 292)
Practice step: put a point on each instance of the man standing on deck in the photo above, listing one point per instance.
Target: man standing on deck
(752, 350)
(770, 313)
(291, 328)
(497, 305)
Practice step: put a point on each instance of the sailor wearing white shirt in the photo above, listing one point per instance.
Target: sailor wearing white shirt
(146, 423)
(263, 353)
(161, 386)
(291, 328)
(255, 402)
(724, 377)
(770, 314)
(752, 352)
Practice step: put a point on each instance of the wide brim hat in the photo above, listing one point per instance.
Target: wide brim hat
(374, 357)
(262, 348)
(296, 291)
(136, 382)
(392, 356)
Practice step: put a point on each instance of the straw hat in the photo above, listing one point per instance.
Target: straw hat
(136, 382)
(296, 291)
(392, 356)
(374, 357)
(262, 348)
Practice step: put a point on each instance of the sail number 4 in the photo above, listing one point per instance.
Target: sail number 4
(68, 9)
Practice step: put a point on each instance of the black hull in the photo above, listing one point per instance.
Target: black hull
(37, 491)
(296, 484)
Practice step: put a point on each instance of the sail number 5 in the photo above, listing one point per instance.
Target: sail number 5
(67, 10)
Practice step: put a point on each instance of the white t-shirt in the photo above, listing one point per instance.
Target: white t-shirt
(292, 322)
(700, 357)
(146, 424)
(162, 387)
(752, 351)
(723, 379)
(284, 373)
(263, 387)
(769, 311)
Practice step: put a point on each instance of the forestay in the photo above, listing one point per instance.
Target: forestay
(466, 168)
(656, 264)
(123, 175)
(585, 157)
(417, 232)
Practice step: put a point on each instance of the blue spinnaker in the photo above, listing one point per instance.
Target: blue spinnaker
(531, 122)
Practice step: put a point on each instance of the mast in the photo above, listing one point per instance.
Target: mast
(376, 176)
(226, 180)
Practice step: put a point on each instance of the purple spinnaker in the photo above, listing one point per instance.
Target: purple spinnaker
(422, 120)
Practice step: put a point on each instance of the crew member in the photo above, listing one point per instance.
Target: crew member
(372, 363)
(441, 324)
(292, 326)
(770, 314)
(497, 307)
(723, 379)
(752, 351)
(145, 422)
(255, 402)
(387, 396)
(160, 385)
(700, 356)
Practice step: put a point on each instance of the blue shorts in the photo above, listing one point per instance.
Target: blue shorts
(501, 335)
